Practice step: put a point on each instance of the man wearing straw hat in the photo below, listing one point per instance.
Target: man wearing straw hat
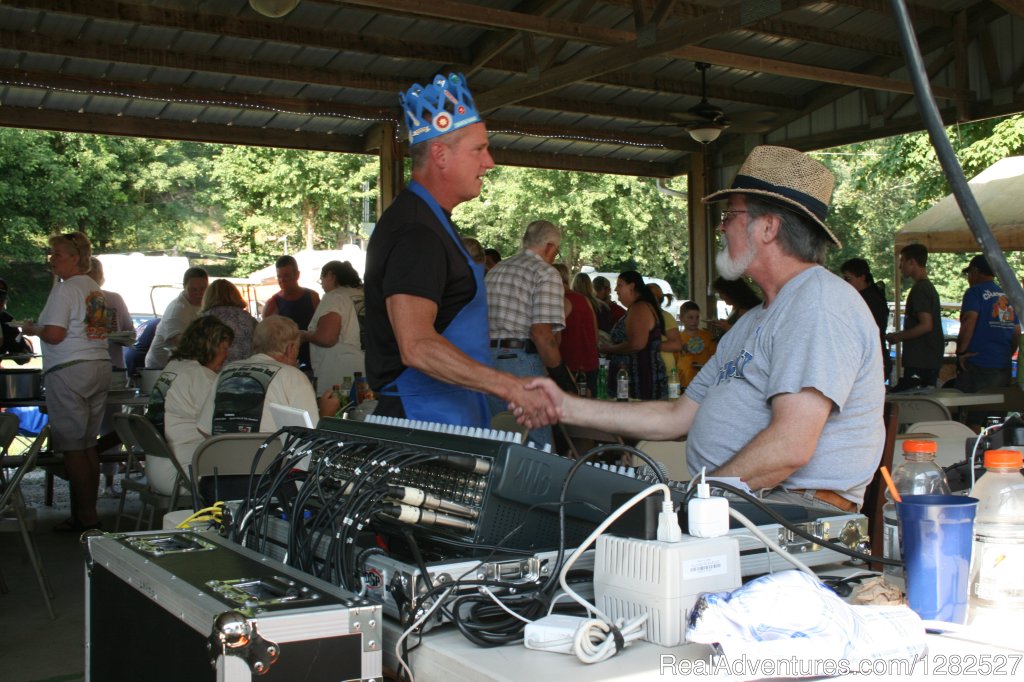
(792, 400)
(428, 356)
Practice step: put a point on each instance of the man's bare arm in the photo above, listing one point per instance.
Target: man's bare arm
(546, 341)
(925, 323)
(651, 420)
(422, 348)
(786, 444)
(968, 321)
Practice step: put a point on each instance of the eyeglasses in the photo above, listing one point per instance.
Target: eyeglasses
(727, 214)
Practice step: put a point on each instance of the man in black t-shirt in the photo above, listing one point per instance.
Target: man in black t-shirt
(428, 356)
(921, 337)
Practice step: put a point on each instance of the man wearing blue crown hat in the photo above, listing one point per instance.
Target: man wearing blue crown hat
(791, 402)
(428, 355)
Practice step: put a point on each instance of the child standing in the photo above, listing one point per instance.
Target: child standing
(698, 344)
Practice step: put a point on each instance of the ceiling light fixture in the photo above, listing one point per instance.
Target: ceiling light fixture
(705, 132)
(273, 8)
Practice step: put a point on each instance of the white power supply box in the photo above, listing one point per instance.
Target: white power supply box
(662, 579)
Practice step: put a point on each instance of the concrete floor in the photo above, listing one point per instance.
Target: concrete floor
(34, 648)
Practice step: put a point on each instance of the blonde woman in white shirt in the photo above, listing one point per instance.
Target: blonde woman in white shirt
(76, 369)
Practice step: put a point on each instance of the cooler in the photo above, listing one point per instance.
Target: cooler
(186, 605)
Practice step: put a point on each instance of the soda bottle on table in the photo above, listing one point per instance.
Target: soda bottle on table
(917, 475)
(362, 389)
(581, 384)
(996, 590)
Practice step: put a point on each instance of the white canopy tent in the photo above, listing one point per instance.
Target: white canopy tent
(942, 228)
(998, 190)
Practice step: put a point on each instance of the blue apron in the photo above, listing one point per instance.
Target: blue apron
(426, 398)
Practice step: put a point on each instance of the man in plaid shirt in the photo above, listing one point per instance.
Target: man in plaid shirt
(526, 312)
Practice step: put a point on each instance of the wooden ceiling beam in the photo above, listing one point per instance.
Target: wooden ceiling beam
(157, 57)
(614, 59)
(130, 126)
(791, 30)
(257, 29)
(191, 95)
(919, 13)
(497, 126)
(254, 28)
(493, 43)
(584, 164)
(807, 72)
(292, 105)
(1014, 7)
(490, 18)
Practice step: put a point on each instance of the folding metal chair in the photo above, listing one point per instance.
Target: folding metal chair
(230, 456)
(24, 518)
(140, 435)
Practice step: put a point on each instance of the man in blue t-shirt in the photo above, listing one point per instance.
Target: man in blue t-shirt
(989, 331)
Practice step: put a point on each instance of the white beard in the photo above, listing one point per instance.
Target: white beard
(732, 268)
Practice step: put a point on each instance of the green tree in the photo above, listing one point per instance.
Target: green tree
(124, 193)
(883, 184)
(608, 221)
(312, 198)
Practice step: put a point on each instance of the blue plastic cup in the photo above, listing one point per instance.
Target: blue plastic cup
(936, 537)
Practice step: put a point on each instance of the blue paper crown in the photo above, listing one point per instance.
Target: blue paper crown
(441, 107)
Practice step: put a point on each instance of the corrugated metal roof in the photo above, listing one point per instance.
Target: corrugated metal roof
(796, 76)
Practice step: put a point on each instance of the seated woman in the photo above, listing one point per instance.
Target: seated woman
(180, 392)
(636, 340)
(223, 301)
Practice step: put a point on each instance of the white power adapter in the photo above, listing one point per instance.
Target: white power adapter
(662, 579)
(706, 516)
(555, 632)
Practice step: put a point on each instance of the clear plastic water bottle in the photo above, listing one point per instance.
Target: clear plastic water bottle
(996, 588)
(602, 379)
(917, 475)
(622, 384)
(673, 384)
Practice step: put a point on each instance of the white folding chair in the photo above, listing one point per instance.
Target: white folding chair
(919, 408)
(950, 437)
(232, 454)
(15, 516)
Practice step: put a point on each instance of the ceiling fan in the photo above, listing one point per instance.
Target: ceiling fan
(708, 121)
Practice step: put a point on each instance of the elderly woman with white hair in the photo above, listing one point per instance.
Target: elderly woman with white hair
(245, 389)
(76, 371)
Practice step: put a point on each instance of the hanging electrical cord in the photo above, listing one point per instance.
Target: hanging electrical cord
(947, 158)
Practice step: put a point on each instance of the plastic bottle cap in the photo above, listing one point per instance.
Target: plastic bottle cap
(1003, 458)
(920, 446)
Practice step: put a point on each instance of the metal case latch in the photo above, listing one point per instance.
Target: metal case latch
(235, 635)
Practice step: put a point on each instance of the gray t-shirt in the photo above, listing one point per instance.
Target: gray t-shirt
(818, 333)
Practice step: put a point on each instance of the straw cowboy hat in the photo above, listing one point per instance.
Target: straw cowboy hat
(785, 177)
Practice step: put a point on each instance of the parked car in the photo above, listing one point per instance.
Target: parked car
(950, 321)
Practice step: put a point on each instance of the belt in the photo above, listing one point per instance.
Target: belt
(515, 344)
(833, 498)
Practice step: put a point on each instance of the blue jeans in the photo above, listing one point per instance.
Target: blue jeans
(521, 364)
